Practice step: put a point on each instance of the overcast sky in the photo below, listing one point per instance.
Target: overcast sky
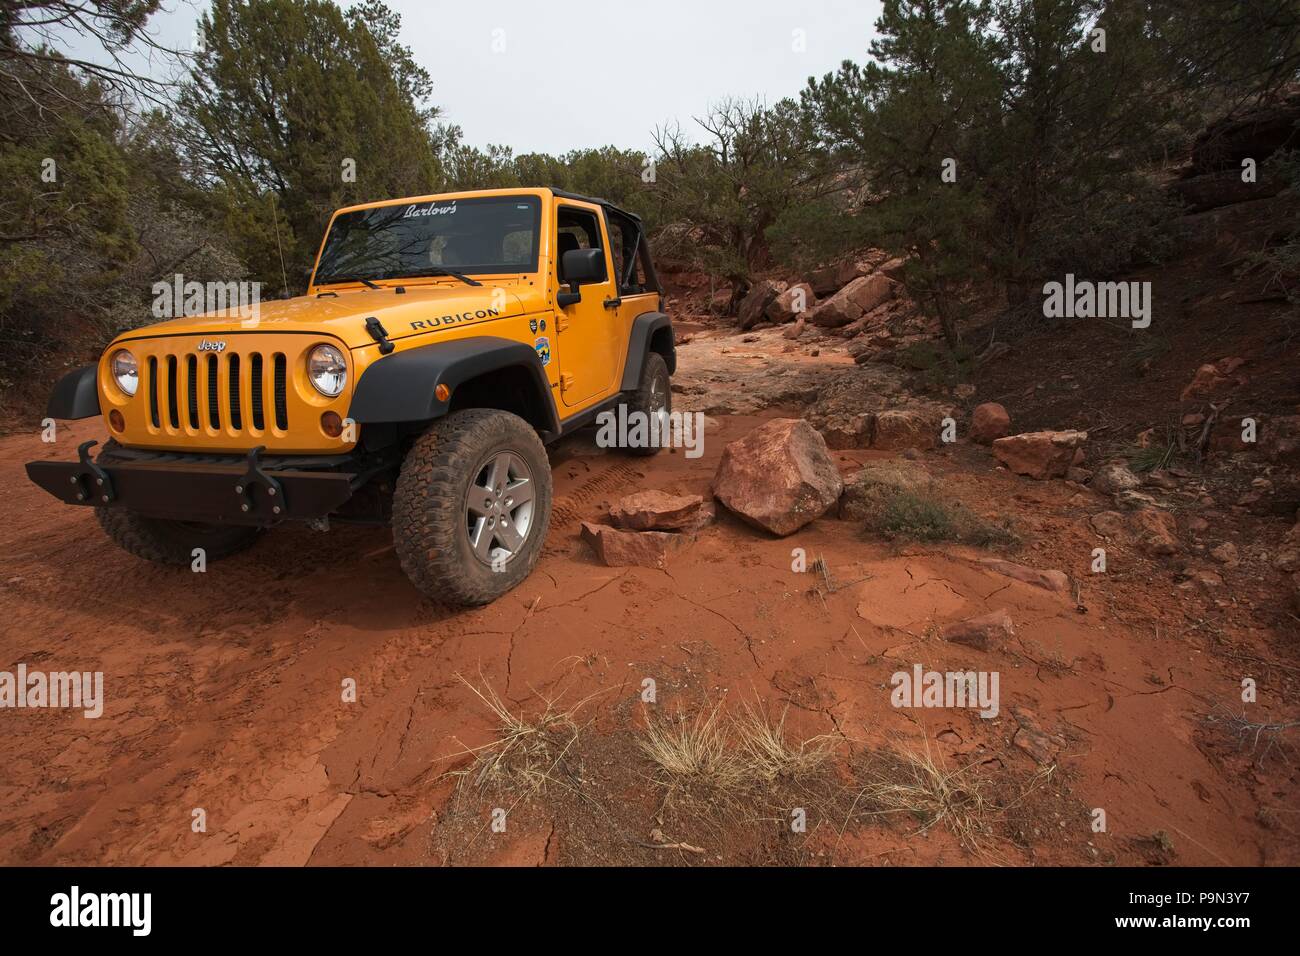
(544, 76)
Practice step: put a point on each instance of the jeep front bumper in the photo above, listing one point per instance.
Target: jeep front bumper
(218, 493)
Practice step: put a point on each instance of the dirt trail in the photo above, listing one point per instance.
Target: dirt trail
(224, 688)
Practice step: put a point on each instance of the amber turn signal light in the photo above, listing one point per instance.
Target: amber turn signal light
(331, 424)
(442, 393)
(116, 421)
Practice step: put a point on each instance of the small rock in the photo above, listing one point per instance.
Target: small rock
(1033, 738)
(1208, 580)
(1039, 455)
(1113, 478)
(1212, 378)
(620, 549)
(1287, 560)
(1226, 553)
(1108, 524)
(1057, 581)
(1131, 500)
(986, 632)
(989, 422)
(1157, 531)
(655, 511)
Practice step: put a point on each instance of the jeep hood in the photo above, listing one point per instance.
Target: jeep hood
(344, 316)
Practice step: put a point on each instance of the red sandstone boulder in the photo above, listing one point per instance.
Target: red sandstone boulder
(1040, 455)
(988, 423)
(779, 477)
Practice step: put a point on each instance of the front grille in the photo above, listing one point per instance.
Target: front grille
(173, 416)
(153, 391)
(186, 392)
(192, 389)
(281, 398)
(236, 419)
(214, 399)
(259, 420)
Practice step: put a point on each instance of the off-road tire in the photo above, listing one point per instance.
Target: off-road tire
(653, 392)
(164, 541)
(430, 522)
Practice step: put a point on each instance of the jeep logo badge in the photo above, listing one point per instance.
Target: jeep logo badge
(215, 345)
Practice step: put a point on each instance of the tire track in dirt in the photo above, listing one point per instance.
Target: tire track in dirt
(567, 509)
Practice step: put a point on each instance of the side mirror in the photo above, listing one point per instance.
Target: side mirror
(580, 267)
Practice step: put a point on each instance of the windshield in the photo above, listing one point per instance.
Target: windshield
(486, 235)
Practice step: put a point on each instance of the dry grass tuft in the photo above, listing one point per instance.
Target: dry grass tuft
(766, 755)
(693, 752)
(527, 751)
(914, 783)
(744, 762)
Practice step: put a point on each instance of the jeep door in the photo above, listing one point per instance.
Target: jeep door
(638, 287)
(587, 339)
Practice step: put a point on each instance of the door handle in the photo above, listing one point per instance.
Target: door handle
(613, 303)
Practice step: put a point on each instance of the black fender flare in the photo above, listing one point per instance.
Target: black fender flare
(401, 387)
(646, 327)
(76, 395)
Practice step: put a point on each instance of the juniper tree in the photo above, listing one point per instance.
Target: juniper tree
(294, 109)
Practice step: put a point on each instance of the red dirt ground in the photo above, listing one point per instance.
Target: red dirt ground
(223, 688)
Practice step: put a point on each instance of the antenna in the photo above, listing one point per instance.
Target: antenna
(284, 277)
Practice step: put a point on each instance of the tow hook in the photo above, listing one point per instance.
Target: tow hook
(91, 481)
(256, 476)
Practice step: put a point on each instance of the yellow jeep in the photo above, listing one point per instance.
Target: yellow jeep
(442, 341)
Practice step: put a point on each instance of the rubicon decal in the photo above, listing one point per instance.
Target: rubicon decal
(427, 324)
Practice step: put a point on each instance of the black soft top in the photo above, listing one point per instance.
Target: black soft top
(563, 194)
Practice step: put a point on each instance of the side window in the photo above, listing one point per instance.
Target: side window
(629, 254)
(616, 249)
(576, 229)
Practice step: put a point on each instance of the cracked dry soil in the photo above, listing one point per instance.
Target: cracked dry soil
(223, 689)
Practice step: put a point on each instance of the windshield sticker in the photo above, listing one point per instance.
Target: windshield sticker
(433, 209)
(543, 347)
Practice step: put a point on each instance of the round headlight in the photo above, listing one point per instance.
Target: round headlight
(327, 370)
(125, 372)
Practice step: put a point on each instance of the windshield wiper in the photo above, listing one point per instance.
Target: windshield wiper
(336, 280)
(437, 271)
